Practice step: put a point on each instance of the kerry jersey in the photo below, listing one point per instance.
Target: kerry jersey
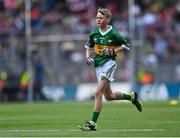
(98, 40)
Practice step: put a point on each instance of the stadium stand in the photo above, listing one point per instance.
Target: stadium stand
(157, 25)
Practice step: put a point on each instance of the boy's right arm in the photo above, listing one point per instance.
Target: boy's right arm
(89, 61)
(89, 50)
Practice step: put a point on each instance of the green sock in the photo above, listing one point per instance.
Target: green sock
(95, 116)
(127, 97)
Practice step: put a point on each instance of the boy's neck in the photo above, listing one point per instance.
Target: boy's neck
(104, 29)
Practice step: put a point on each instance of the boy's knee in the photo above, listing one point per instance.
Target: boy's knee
(109, 97)
(98, 94)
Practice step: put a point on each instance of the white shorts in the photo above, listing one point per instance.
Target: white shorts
(106, 70)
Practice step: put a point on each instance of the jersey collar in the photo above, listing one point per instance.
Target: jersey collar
(109, 29)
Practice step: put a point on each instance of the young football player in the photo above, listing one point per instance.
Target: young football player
(106, 43)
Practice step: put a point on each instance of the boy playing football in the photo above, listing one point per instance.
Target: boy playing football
(105, 42)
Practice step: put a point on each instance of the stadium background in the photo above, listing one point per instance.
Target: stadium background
(58, 31)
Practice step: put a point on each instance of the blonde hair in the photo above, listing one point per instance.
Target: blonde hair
(105, 12)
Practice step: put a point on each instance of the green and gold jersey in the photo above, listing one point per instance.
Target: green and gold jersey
(98, 40)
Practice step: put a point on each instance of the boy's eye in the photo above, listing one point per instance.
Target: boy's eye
(98, 18)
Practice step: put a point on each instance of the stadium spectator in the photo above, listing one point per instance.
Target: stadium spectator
(38, 76)
(161, 47)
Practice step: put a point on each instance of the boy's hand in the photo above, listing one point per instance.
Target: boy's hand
(108, 52)
(89, 61)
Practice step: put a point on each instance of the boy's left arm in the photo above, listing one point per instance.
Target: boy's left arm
(111, 52)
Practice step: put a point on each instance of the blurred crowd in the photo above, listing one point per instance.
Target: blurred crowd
(157, 25)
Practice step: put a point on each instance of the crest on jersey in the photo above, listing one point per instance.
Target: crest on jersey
(95, 39)
(109, 41)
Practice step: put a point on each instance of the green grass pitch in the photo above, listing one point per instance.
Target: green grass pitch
(117, 119)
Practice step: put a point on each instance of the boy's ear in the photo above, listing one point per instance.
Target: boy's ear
(108, 20)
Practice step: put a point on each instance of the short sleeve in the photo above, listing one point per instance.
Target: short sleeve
(90, 42)
(120, 39)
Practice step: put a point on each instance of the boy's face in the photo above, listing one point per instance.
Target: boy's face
(101, 20)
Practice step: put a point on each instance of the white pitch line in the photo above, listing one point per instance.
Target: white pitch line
(29, 117)
(29, 130)
(78, 130)
(135, 130)
(125, 130)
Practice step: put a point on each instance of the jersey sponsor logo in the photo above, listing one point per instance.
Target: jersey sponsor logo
(109, 41)
(98, 48)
